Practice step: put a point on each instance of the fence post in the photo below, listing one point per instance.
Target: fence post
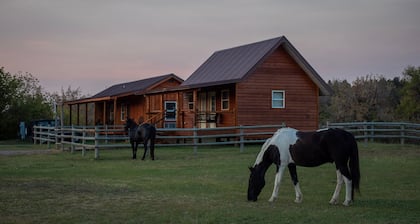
(56, 136)
(40, 130)
(73, 134)
(195, 139)
(106, 134)
(241, 138)
(365, 126)
(34, 134)
(96, 142)
(62, 137)
(372, 132)
(83, 141)
(48, 136)
(402, 134)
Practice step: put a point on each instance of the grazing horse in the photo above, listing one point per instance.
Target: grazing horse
(289, 147)
(145, 133)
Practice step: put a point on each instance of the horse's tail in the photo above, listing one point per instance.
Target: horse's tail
(354, 166)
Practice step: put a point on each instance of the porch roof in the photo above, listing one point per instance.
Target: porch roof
(128, 88)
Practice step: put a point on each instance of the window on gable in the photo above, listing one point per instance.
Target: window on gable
(278, 99)
(225, 99)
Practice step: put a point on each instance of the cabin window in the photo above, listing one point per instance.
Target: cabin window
(277, 99)
(225, 99)
(124, 111)
(212, 101)
(190, 100)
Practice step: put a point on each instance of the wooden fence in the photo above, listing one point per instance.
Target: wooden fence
(102, 137)
(382, 131)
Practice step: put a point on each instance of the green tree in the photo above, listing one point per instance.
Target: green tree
(374, 99)
(339, 107)
(21, 99)
(66, 95)
(409, 107)
(368, 98)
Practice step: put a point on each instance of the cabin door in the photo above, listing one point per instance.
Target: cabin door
(202, 112)
(170, 114)
(207, 112)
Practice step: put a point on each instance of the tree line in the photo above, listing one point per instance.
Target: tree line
(368, 98)
(22, 99)
(374, 98)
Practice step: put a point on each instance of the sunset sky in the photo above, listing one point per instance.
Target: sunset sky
(93, 44)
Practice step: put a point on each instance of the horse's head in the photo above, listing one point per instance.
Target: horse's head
(256, 183)
(129, 123)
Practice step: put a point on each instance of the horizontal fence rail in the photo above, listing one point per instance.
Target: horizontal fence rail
(102, 137)
(384, 131)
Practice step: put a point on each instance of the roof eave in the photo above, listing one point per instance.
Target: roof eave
(324, 88)
(210, 84)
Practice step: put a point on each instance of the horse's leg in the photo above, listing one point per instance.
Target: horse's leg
(145, 149)
(334, 199)
(349, 190)
(277, 181)
(152, 148)
(293, 175)
(347, 180)
(134, 148)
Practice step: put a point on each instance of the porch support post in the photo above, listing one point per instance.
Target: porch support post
(78, 114)
(86, 114)
(195, 107)
(104, 114)
(115, 110)
(71, 114)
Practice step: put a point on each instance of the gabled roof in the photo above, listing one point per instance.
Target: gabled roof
(134, 87)
(234, 64)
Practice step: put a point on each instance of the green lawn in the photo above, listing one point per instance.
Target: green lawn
(210, 187)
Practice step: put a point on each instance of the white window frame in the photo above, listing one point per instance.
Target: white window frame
(124, 111)
(189, 98)
(275, 99)
(224, 100)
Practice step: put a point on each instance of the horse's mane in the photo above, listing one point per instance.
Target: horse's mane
(261, 153)
(275, 140)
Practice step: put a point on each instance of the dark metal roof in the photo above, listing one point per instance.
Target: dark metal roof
(234, 64)
(134, 87)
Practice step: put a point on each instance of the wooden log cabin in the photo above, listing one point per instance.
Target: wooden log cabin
(267, 82)
(113, 105)
(263, 83)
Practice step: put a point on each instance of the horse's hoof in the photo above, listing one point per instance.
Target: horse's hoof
(272, 199)
(347, 202)
(298, 200)
(333, 202)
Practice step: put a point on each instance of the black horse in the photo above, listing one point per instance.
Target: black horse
(289, 147)
(145, 133)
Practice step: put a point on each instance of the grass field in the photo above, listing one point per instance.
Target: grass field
(209, 187)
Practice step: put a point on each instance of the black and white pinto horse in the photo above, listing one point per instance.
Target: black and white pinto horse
(145, 133)
(289, 147)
